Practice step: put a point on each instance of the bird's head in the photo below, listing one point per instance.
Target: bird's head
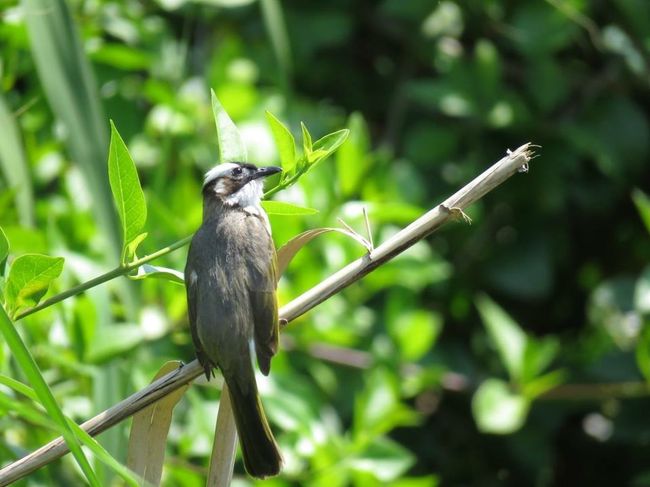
(237, 183)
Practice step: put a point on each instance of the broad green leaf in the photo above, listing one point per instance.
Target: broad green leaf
(306, 139)
(642, 203)
(127, 194)
(231, 146)
(385, 459)
(284, 141)
(28, 366)
(29, 278)
(4, 249)
(282, 208)
(149, 430)
(147, 270)
(115, 341)
(508, 338)
(497, 409)
(543, 383)
(415, 332)
(538, 354)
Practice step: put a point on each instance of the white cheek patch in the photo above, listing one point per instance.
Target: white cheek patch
(249, 195)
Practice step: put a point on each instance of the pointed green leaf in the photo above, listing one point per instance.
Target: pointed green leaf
(508, 338)
(497, 409)
(306, 139)
(282, 208)
(331, 142)
(4, 248)
(127, 192)
(231, 146)
(284, 141)
(29, 278)
(642, 203)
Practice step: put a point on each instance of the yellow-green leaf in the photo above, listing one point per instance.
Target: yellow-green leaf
(29, 278)
(127, 194)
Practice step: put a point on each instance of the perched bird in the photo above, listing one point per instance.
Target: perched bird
(231, 281)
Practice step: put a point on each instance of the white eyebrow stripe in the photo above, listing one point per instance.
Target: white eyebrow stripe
(218, 171)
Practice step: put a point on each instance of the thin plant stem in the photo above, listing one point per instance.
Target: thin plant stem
(112, 274)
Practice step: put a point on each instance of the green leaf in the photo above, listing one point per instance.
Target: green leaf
(384, 459)
(643, 353)
(642, 203)
(284, 141)
(147, 271)
(27, 364)
(4, 249)
(127, 194)
(415, 332)
(231, 146)
(352, 159)
(282, 208)
(306, 140)
(497, 409)
(29, 278)
(508, 338)
(331, 142)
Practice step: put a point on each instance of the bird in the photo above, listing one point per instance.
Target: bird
(231, 283)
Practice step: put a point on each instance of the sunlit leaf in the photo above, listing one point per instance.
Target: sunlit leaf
(497, 409)
(415, 332)
(127, 194)
(29, 279)
(507, 336)
(149, 430)
(231, 145)
(642, 203)
(306, 139)
(283, 208)
(147, 271)
(284, 141)
(384, 459)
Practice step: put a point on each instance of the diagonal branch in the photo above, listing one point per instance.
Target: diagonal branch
(513, 162)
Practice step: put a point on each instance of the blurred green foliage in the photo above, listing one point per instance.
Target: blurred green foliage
(478, 357)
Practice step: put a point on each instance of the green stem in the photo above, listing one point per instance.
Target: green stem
(112, 274)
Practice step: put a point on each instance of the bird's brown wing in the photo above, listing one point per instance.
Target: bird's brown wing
(264, 304)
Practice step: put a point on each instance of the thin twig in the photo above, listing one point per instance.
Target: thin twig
(420, 228)
(112, 274)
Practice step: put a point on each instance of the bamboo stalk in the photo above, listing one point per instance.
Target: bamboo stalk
(452, 207)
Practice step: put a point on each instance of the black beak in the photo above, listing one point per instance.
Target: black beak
(263, 172)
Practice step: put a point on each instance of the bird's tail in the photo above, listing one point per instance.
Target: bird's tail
(261, 455)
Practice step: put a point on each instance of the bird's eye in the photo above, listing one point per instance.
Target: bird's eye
(237, 171)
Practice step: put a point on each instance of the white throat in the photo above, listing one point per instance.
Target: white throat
(249, 195)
